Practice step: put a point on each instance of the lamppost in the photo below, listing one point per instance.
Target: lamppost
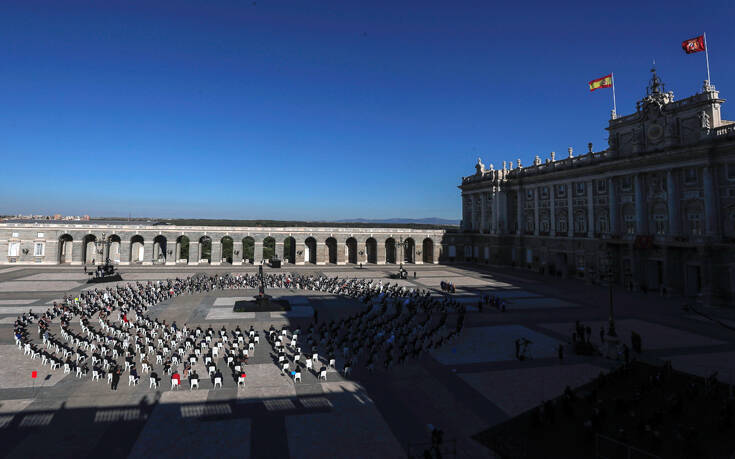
(403, 245)
(610, 275)
(105, 240)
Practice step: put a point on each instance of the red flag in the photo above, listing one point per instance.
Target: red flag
(34, 374)
(693, 45)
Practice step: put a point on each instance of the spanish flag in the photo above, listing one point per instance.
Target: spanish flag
(604, 82)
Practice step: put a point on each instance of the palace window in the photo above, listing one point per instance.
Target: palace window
(561, 190)
(561, 224)
(626, 184)
(601, 186)
(16, 234)
(580, 222)
(529, 224)
(695, 222)
(38, 249)
(731, 171)
(660, 221)
(602, 224)
(545, 192)
(580, 188)
(690, 176)
(629, 224)
(41, 235)
(529, 195)
(14, 249)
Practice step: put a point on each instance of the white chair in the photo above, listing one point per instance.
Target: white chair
(281, 358)
(132, 380)
(309, 365)
(207, 360)
(257, 339)
(332, 362)
(109, 378)
(153, 383)
(159, 359)
(211, 370)
(79, 372)
(174, 383)
(323, 375)
(218, 381)
(215, 352)
(95, 375)
(240, 381)
(251, 346)
(297, 376)
(192, 383)
(66, 368)
(192, 360)
(238, 368)
(315, 357)
(284, 368)
(146, 368)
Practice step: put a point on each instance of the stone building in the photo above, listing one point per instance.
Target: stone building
(654, 211)
(125, 244)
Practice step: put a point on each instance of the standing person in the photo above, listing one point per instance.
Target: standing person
(115, 378)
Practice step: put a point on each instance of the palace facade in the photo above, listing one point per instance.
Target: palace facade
(655, 211)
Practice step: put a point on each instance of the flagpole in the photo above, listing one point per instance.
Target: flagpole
(615, 108)
(706, 55)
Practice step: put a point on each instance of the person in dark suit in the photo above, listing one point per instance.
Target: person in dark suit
(115, 379)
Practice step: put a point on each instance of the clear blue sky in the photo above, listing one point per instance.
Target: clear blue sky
(317, 109)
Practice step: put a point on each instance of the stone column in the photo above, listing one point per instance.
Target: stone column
(590, 211)
(483, 212)
(536, 229)
(193, 252)
(519, 212)
(552, 211)
(612, 205)
(380, 252)
(673, 199)
(148, 252)
(471, 213)
(710, 202)
(236, 252)
(570, 212)
(76, 252)
(495, 216)
(341, 252)
(465, 213)
(216, 254)
(640, 206)
(125, 252)
(257, 251)
(502, 212)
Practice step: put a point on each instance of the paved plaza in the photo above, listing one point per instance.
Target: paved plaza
(463, 387)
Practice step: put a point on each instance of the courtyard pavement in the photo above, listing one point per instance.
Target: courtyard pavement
(464, 387)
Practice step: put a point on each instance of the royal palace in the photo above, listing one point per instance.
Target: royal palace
(655, 211)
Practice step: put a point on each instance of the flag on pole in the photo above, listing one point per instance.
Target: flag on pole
(694, 45)
(604, 82)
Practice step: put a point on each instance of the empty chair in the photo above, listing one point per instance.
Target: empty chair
(309, 365)
(153, 383)
(95, 375)
(297, 376)
(218, 381)
(109, 378)
(146, 368)
(251, 346)
(238, 368)
(79, 372)
(192, 360)
(215, 352)
(192, 383)
(323, 375)
(207, 360)
(332, 362)
(159, 359)
(315, 357)
(284, 368)
(211, 370)
(132, 380)
(67, 369)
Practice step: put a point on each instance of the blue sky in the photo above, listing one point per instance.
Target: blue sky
(317, 110)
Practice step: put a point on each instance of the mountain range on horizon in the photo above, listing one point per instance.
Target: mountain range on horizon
(426, 221)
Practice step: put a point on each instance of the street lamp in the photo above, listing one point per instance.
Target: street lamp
(403, 245)
(610, 274)
(105, 241)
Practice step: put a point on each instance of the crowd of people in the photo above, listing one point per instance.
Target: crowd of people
(116, 335)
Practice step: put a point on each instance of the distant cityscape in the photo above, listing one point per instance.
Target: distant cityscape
(81, 218)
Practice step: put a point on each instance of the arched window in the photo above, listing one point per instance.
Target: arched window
(562, 223)
(660, 218)
(694, 219)
(629, 218)
(603, 225)
(580, 222)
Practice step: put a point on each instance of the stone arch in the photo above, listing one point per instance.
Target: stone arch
(428, 250)
(331, 245)
(248, 249)
(228, 245)
(310, 251)
(89, 249)
(66, 244)
(351, 245)
(181, 251)
(371, 249)
(289, 250)
(113, 252)
(269, 248)
(137, 249)
(160, 249)
(390, 250)
(205, 249)
(409, 251)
